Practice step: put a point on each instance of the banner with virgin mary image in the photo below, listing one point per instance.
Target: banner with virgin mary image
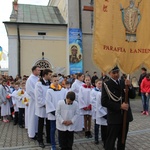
(75, 51)
(121, 34)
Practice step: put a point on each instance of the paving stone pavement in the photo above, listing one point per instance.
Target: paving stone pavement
(14, 138)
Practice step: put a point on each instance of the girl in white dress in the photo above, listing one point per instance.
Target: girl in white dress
(85, 105)
(5, 97)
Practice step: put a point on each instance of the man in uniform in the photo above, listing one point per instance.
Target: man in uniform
(113, 97)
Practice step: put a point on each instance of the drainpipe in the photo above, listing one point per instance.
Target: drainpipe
(80, 15)
(19, 49)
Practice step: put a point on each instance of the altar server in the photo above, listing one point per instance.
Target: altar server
(30, 87)
(94, 92)
(41, 88)
(54, 94)
(75, 88)
(67, 114)
(85, 105)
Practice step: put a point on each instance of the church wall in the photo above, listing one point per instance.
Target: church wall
(63, 7)
(73, 13)
(13, 56)
(54, 52)
(53, 44)
(12, 50)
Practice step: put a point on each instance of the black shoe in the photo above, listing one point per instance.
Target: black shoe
(21, 126)
(86, 134)
(41, 144)
(96, 142)
(48, 141)
(89, 134)
(15, 123)
(34, 138)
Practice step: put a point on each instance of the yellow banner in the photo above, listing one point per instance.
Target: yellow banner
(121, 34)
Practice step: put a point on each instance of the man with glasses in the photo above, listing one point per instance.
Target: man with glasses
(113, 98)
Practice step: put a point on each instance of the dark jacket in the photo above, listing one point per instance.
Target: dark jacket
(115, 114)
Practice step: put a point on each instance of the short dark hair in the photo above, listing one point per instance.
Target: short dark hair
(34, 68)
(148, 75)
(46, 71)
(54, 75)
(79, 75)
(71, 95)
(144, 69)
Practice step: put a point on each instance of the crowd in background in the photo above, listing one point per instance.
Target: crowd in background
(15, 101)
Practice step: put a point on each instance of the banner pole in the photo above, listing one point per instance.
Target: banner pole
(125, 113)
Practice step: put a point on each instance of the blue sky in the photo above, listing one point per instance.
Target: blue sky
(5, 11)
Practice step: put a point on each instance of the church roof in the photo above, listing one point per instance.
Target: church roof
(36, 14)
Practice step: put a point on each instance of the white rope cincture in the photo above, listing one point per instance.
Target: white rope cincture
(111, 95)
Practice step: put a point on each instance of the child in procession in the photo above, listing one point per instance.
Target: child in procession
(85, 105)
(5, 98)
(67, 114)
(15, 101)
(53, 95)
(94, 93)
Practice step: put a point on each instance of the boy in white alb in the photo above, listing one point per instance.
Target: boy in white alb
(41, 88)
(94, 92)
(67, 87)
(67, 114)
(75, 88)
(53, 95)
(101, 117)
(30, 87)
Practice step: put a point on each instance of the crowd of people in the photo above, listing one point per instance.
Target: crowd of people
(69, 104)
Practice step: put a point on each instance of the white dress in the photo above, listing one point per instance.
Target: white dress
(84, 99)
(5, 109)
(32, 118)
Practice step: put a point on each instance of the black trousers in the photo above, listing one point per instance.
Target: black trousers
(103, 133)
(66, 139)
(41, 127)
(21, 116)
(115, 132)
(16, 118)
